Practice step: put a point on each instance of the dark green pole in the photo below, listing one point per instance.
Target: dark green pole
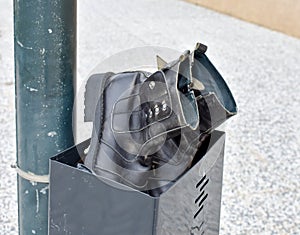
(45, 70)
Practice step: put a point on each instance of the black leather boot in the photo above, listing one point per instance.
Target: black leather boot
(147, 127)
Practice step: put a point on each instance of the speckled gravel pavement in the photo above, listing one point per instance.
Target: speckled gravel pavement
(262, 162)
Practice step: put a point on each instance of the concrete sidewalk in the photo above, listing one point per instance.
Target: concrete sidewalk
(262, 162)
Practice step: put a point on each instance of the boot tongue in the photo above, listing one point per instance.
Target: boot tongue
(186, 95)
(179, 79)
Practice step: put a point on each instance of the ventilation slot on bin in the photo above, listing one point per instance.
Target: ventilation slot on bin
(199, 201)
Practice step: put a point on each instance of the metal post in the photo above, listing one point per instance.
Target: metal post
(45, 70)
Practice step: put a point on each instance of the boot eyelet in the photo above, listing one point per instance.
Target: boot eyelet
(150, 113)
(156, 110)
(152, 85)
(164, 106)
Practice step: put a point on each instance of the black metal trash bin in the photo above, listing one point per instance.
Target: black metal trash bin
(80, 203)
